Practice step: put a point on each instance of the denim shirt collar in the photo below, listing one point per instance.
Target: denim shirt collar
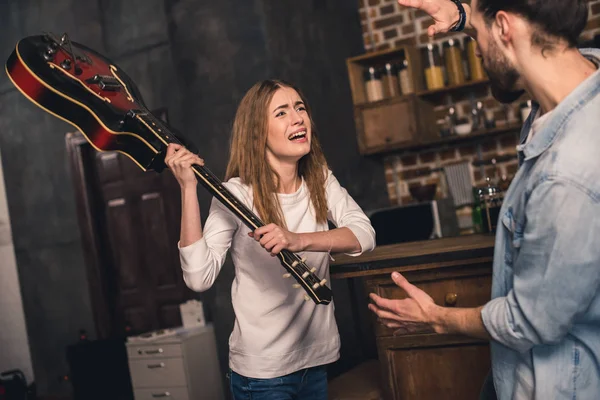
(554, 127)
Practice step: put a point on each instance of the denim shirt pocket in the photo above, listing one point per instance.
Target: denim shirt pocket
(514, 236)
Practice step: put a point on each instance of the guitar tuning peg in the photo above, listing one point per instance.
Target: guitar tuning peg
(323, 282)
(313, 270)
(306, 298)
(294, 263)
(287, 276)
(296, 286)
(303, 259)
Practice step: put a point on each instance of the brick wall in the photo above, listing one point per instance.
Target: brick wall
(393, 25)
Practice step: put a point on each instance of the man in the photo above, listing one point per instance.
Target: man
(544, 319)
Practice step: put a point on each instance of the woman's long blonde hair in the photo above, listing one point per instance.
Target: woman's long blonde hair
(248, 159)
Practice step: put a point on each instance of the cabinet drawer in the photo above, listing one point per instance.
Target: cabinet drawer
(178, 393)
(154, 351)
(165, 372)
(465, 291)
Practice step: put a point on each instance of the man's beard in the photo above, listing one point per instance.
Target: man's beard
(503, 76)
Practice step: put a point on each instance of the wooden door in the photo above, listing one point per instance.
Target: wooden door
(130, 228)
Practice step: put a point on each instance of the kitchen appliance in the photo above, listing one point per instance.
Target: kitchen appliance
(414, 222)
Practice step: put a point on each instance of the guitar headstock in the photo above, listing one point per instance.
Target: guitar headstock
(315, 287)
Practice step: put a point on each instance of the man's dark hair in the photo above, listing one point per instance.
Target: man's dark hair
(563, 19)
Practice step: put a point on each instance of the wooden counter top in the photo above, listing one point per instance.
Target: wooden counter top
(398, 257)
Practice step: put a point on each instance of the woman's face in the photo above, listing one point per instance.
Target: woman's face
(289, 127)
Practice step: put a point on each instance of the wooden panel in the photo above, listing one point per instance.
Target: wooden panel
(418, 249)
(157, 245)
(388, 123)
(454, 372)
(123, 243)
(136, 319)
(169, 315)
(464, 292)
(108, 166)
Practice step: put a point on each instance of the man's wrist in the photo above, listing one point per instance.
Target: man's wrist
(438, 319)
(461, 22)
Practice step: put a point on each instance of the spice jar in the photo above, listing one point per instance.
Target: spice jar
(434, 74)
(373, 84)
(390, 81)
(454, 63)
(406, 82)
(477, 73)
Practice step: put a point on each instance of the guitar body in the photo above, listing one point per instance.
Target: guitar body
(88, 91)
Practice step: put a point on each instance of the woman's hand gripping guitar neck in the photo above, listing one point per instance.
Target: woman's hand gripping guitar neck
(180, 162)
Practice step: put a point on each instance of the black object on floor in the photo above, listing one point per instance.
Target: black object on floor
(99, 370)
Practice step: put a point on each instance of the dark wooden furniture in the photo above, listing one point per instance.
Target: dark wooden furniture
(455, 272)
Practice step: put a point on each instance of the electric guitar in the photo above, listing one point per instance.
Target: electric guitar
(85, 89)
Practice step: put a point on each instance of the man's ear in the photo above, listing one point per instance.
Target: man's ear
(504, 24)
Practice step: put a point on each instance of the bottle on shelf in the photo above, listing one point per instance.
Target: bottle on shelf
(406, 82)
(391, 88)
(434, 73)
(476, 70)
(373, 84)
(454, 62)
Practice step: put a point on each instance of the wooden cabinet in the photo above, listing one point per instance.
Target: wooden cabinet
(432, 372)
(407, 122)
(394, 123)
(418, 363)
(423, 365)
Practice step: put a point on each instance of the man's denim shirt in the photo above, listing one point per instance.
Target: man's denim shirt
(545, 314)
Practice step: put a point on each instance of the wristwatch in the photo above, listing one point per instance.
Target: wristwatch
(462, 17)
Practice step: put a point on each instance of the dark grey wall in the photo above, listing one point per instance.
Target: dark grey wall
(197, 58)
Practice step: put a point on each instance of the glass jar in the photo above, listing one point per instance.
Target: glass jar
(477, 73)
(406, 82)
(434, 73)
(390, 81)
(454, 62)
(488, 200)
(373, 84)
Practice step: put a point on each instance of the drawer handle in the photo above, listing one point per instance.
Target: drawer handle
(451, 299)
(159, 395)
(154, 366)
(158, 351)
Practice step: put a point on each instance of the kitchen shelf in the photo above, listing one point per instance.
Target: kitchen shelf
(470, 85)
(442, 141)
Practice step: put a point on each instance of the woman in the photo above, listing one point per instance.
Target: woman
(280, 343)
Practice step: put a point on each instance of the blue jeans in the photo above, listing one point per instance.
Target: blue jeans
(306, 384)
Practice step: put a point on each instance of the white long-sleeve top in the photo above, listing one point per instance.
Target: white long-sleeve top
(276, 332)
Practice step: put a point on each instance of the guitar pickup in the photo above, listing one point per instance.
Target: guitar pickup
(104, 82)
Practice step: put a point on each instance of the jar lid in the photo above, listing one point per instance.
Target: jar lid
(402, 65)
(451, 43)
(371, 73)
(389, 68)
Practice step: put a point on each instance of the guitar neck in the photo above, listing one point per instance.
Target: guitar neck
(217, 189)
